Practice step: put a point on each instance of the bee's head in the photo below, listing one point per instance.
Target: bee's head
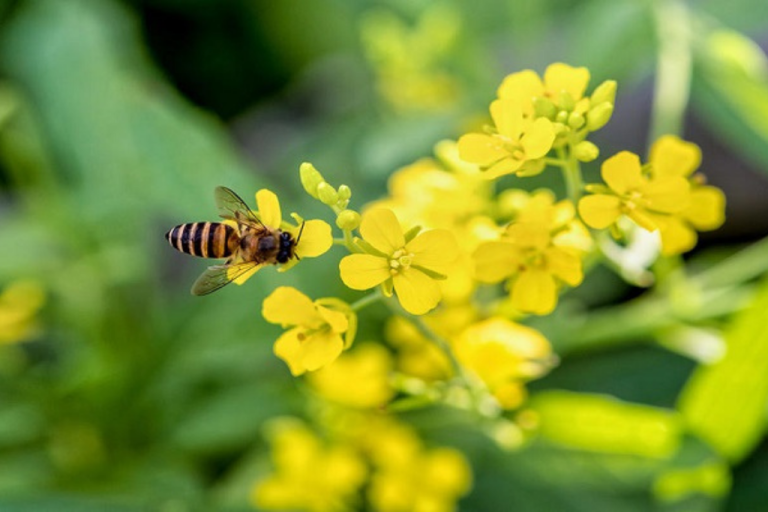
(287, 246)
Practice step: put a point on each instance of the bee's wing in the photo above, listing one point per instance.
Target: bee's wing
(232, 207)
(218, 276)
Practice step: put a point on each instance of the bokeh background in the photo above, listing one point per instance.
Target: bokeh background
(121, 391)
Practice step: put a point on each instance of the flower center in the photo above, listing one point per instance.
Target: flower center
(399, 261)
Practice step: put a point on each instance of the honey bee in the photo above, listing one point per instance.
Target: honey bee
(248, 245)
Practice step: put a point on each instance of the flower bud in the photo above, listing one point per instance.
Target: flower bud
(344, 193)
(561, 117)
(585, 151)
(543, 107)
(327, 194)
(348, 220)
(565, 101)
(576, 120)
(599, 116)
(310, 178)
(605, 92)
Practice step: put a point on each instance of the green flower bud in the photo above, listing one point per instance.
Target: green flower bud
(576, 120)
(544, 108)
(565, 101)
(605, 92)
(344, 192)
(348, 220)
(599, 116)
(310, 178)
(327, 194)
(562, 117)
(585, 151)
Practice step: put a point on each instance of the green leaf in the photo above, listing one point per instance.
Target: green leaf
(725, 403)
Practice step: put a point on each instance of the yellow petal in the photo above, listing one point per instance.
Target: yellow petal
(522, 87)
(288, 306)
(600, 210)
(336, 319)
(667, 194)
(534, 291)
(676, 237)
(288, 348)
(502, 168)
(242, 278)
(381, 229)
(316, 238)
(508, 117)
(320, 349)
(363, 271)
(707, 208)
(269, 208)
(622, 172)
(672, 156)
(564, 265)
(434, 250)
(560, 77)
(417, 292)
(538, 140)
(481, 149)
(647, 220)
(495, 261)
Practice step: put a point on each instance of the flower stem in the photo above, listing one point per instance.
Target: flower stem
(673, 68)
(369, 299)
(571, 175)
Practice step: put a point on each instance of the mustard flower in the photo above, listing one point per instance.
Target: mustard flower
(504, 355)
(315, 239)
(19, 305)
(671, 156)
(538, 253)
(515, 145)
(410, 267)
(320, 329)
(644, 199)
(309, 475)
(359, 378)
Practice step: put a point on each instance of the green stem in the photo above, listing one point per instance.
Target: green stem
(571, 175)
(369, 299)
(673, 68)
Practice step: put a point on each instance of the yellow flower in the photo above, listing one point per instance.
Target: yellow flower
(19, 304)
(315, 339)
(645, 200)
(671, 156)
(308, 475)
(503, 355)
(559, 79)
(315, 240)
(417, 356)
(411, 267)
(357, 379)
(516, 145)
(536, 253)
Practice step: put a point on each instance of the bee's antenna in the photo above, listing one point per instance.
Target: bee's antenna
(301, 230)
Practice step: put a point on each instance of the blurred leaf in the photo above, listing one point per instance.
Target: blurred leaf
(604, 424)
(725, 403)
(730, 89)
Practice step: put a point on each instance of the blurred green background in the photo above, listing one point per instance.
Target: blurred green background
(118, 119)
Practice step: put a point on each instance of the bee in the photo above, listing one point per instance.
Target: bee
(245, 247)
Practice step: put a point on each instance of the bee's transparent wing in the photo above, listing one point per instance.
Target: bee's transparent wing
(218, 276)
(232, 207)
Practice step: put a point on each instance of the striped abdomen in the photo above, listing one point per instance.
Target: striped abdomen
(204, 239)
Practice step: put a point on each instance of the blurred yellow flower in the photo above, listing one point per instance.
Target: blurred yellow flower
(316, 337)
(559, 79)
(644, 199)
(671, 156)
(356, 379)
(417, 356)
(315, 240)
(515, 145)
(410, 267)
(308, 475)
(537, 253)
(504, 355)
(19, 305)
